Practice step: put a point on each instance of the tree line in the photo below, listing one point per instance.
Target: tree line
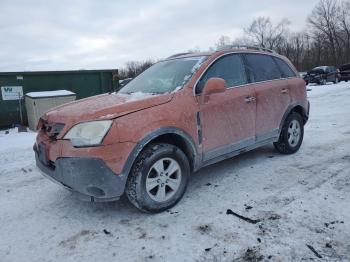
(324, 41)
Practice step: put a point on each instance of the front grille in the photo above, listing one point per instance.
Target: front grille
(52, 129)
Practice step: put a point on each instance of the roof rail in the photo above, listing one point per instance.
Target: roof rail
(246, 47)
(179, 54)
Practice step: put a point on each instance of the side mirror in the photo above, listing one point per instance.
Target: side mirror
(213, 86)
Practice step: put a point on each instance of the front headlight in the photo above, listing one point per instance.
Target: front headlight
(88, 133)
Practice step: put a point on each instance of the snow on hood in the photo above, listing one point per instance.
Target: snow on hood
(134, 96)
(106, 106)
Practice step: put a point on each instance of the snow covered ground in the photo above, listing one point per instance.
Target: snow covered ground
(302, 202)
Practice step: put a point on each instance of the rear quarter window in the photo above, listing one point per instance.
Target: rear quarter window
(262, 68)
(284, 68)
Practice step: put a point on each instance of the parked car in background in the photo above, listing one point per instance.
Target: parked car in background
(124, 82)
(322, 75)
(181, 114)
(302, 74)
(344, 71)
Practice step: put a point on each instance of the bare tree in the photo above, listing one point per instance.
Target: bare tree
(134, 68)
(324, 21)
(344, 19)
(195, 49)
(265, 34)
(223, 41)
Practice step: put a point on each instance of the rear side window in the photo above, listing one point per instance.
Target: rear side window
(230, 68)
(285, 68)
(262, 68)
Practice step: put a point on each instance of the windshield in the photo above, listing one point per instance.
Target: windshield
(165, 76)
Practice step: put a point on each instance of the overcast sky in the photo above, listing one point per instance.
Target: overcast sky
(96, 34)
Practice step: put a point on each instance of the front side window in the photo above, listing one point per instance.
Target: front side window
(165, 76)
(262, 68)
(230, 68)
(285, 68)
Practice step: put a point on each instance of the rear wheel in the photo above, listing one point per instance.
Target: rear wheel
(292, 134)
(158, 179)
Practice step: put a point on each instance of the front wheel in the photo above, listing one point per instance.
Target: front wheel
(159, 178)
(292, 134)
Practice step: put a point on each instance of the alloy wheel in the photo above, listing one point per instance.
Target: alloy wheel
(294, 132)
(163, 179)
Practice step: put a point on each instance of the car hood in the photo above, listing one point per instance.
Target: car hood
(106, 106)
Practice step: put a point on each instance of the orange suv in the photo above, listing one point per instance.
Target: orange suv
(183, 113)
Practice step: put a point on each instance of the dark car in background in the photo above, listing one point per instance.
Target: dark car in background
(322, 75)
(344, 73)
(124, 82)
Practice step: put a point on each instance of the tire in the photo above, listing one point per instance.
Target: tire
(292, 134)
(149, 178)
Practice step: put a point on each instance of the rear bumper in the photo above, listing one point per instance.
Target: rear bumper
(91, 178)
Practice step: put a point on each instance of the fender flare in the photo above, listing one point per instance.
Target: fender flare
(153, 135)
(290, 109)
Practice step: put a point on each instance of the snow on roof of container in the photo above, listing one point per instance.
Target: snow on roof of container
(50, 93)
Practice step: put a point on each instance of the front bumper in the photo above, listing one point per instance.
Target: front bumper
(313, 79)
(91, 178)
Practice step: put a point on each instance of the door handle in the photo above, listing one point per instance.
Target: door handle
(284, 91)
(250, 99)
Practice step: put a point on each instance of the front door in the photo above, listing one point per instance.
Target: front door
(227, 119)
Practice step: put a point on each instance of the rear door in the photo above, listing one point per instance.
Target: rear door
(227, 119)
(272, 94)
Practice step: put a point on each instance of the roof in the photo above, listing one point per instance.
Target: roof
(323, 68)
(45, 94)
(223, 50)
(189, 54)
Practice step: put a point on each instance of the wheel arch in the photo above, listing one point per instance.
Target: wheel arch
(297, 108)
(169, 135)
